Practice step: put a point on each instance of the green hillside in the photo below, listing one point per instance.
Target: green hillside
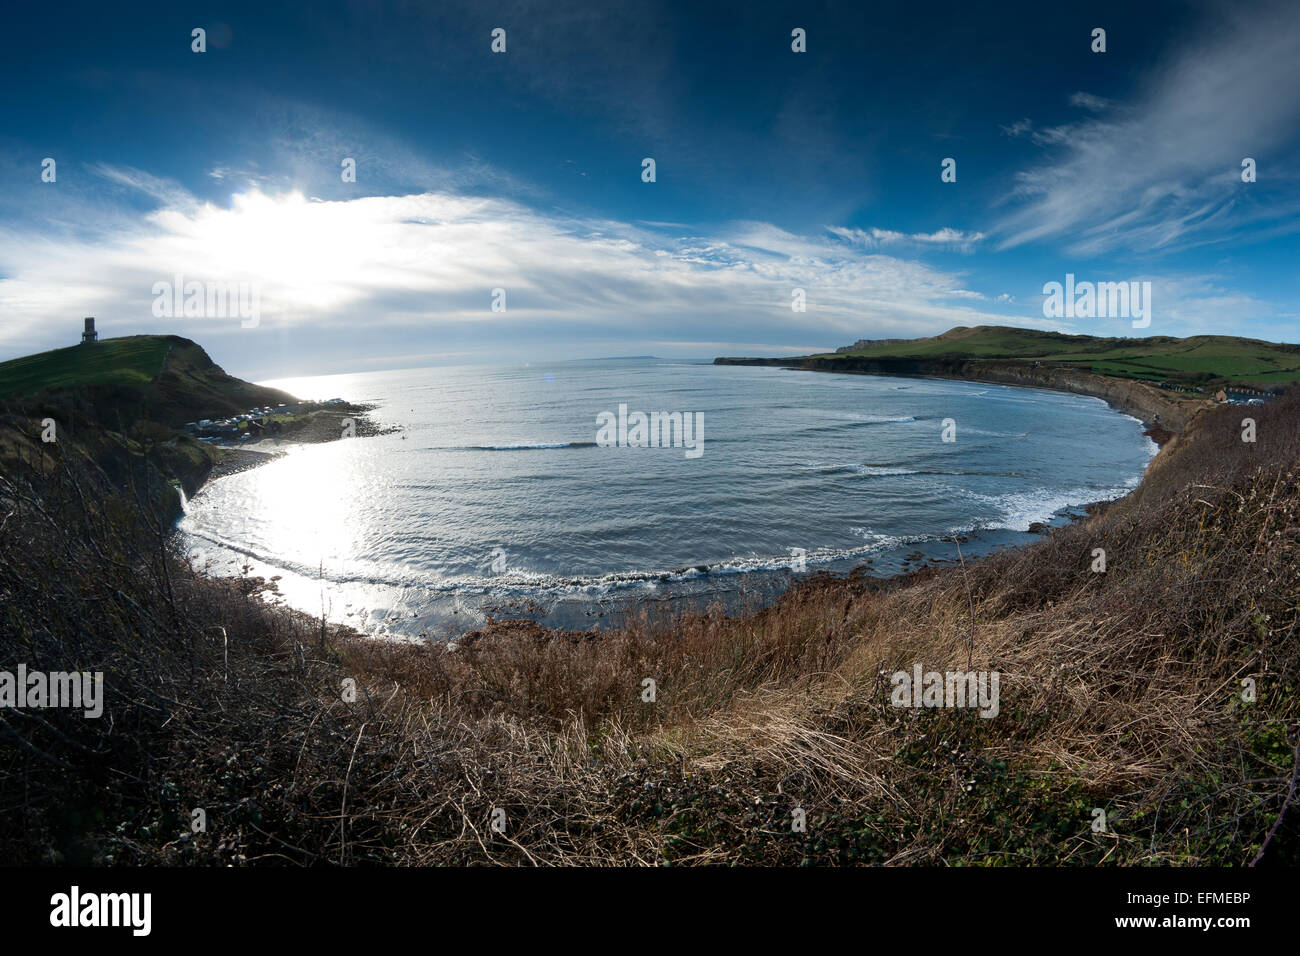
(1198, 360)
(134, 360)
(161, 378)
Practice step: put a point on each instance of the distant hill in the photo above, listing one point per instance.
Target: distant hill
(1201, 360)
(162, 378)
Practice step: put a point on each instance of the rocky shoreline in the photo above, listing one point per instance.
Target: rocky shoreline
(320, 426)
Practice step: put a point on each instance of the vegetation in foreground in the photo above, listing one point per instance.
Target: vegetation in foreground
(1121, 692)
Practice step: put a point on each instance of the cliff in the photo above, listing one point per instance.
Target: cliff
(116, 406)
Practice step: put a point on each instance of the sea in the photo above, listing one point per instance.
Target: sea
(535, 491)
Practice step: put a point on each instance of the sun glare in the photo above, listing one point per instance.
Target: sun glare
(286, 237)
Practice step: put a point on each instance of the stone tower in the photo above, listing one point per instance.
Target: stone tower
(89, 335)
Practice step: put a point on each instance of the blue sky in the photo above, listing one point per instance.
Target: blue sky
(522, 171)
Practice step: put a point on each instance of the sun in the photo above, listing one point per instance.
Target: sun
(303, 253)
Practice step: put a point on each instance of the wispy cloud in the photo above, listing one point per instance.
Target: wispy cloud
(875, 238)
(1164, 172)
(1019, 128)
(1088, 101)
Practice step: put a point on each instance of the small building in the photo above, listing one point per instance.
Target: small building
(89, 335)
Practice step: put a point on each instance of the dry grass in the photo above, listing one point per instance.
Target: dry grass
(1120, 691)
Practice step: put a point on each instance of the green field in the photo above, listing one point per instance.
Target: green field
(165, 379)
(1198, 360)
(133, 360)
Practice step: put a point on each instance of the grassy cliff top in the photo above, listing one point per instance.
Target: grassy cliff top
(162, 378)
(133, 360)
(1200, 359)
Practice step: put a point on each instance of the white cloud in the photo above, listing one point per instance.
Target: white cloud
(1165, 172)
(949, 237)
(873, 238)
(1089, 102)
(430, 260)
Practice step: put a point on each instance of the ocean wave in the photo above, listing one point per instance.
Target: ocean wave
(870, 420)
(1018, 510)
(520, 446)
(523, 583)
(878, 470)
(872, 471)
(882, 470)
(971, 430)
